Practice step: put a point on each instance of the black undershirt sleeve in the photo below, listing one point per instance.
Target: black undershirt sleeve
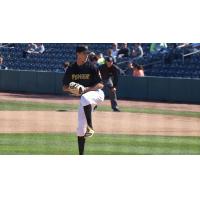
(67, 77)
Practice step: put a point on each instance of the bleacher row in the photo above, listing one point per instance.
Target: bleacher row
(51, 60)
(189, 69)
(57, 53)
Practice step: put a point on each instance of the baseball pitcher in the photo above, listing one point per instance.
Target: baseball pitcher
(83, 79)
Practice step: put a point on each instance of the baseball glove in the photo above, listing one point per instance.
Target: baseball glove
(76, 89)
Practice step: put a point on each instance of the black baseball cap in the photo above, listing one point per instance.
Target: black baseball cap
(80, 49)
(109, 59)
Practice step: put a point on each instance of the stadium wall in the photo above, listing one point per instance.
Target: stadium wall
(146, 88)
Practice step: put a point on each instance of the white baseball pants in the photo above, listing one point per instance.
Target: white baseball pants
(93, 98)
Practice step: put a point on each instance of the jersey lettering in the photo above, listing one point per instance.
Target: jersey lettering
(76, 77)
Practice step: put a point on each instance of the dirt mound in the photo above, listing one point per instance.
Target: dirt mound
(104, 122)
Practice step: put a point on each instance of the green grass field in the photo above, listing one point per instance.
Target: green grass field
(33, 106)
(100, 144)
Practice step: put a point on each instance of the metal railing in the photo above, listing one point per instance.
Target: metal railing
(188, 54)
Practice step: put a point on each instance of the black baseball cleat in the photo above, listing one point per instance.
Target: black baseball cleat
(95, 107)
(116, 109)
(89, 132)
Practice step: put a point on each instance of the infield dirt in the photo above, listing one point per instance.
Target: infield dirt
(104, 122)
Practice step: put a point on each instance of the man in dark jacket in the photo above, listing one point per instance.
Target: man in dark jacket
(124, 51)
(109, 74)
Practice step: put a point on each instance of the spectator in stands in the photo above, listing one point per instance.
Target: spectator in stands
(124, 51)
(138, 70)
(137, 51)
(174, 51)
(101, 59)
(34, 48)
(162, 46)
(40, 48)
(129, 70)
(2, 66)
(153, 48)
(109, 73)
(1, 61)
(91, 54)
(158, 48)
(93, 58)
(115, 50)
(110, 54)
